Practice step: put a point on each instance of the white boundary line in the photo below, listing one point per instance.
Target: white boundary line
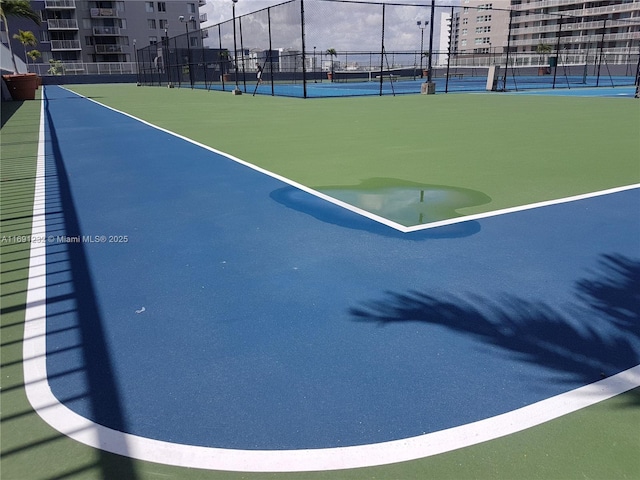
(98, 436)
(522, 208)
(359, 211)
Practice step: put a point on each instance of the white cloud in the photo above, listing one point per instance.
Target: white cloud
(343, 26)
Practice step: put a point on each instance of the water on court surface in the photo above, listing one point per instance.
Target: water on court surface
(407, 203)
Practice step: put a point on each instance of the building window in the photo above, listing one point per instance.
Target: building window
(152, 24)
(163, 23)
(463, 43)
(191, 8)
(162, 6)
(148, 6)
(153, 40)
(464, 31)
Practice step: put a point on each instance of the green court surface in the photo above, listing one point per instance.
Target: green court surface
(516, 150)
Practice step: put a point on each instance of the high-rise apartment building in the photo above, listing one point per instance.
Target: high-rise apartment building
(575, 27)
(481, 27)
(78, 32)
(572, 28)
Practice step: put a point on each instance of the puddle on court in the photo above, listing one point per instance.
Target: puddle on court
(407, 203)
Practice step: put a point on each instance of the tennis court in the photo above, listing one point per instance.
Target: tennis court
(455, 79)
(345, 86)
(375, 286)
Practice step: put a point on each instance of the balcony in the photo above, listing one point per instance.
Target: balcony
(103, 13)
(59, 4)
(106, 31)
(106, 49)
(203, 17)
(63, 24)
(58, 45)
(202, 3)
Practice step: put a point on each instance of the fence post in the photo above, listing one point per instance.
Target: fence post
(506, 66)
(304, 58)
(555, 69)
(446, 84)
(244, 73)
(382, 52)
(220, 58)
(270, 51)
(430, 63)
(604, 28)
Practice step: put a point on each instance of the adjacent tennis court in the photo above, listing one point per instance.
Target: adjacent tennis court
(457, 79)
(271, 285)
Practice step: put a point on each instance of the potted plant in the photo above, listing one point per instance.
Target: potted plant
(332, 53)
(543, 49)
(22, 86)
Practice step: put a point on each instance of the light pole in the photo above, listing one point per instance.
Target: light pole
(186, 26)
(422, 27)
(315, 80)
(235, 49)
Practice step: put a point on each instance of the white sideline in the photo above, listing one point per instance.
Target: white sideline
(89, 433)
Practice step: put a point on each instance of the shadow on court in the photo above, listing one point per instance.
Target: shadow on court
(31, 449)
(599, 338)
(72, 310)
(8, 110)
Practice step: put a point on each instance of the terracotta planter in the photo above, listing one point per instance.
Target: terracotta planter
(22, 86)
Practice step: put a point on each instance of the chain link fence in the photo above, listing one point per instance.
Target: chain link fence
(319, 48)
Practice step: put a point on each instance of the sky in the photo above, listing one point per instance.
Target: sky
(342, 26)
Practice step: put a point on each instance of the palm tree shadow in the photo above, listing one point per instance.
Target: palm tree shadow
(599, 339)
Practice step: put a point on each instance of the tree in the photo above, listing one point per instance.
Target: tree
(332, 53)
(543, 49)
(34, 55)
(16, 8)
(26, 39)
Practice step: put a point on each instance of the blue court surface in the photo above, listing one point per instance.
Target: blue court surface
(193, 300)
(561, 85)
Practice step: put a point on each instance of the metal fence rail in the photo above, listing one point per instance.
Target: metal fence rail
(77, 68)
